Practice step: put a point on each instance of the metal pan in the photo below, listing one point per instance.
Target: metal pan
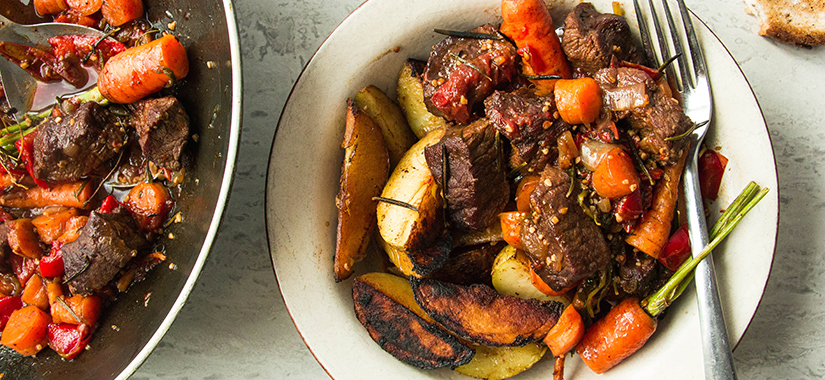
(132, 326)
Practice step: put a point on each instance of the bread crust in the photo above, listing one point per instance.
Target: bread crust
(800, 22)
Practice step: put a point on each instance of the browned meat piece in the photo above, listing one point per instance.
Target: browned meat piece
(530, 122)
(563, 244)
(452, 87)
(78, 145)
(661, 118)
(106, 243)
(476, 188)
(470, 265)
(641, 274)
(162, 127)
(591, 39)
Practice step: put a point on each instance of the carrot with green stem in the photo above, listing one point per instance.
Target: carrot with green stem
(628, 325)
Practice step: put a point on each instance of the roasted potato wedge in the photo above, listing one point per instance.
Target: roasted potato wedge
(397, 134)
(502, 362)
(415, 230)
(469, 265)
(411, 99)
(480, 315)
(363, 173)
(399, 330)
(511, 276)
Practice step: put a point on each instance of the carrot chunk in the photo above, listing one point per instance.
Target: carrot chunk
(27, 331)
(623, 331)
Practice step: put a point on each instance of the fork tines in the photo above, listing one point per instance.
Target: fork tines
(681, 44)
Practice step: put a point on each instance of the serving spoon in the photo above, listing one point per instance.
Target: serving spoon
(18, 85)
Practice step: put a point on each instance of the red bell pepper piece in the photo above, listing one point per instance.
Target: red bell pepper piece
(711, 168)
(7, 306)
(26, 148)
(69, 340)
(80, 46)
(108, 205)
(23, 267)
(676, 250)
(52, 265)
(630, 206)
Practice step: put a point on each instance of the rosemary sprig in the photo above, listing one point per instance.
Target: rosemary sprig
(94, 47)
(473, 35)
(686, 133)
(473, 66)
(541, 77)
(395, 202)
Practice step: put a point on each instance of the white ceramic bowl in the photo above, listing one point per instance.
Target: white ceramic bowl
(369, 47)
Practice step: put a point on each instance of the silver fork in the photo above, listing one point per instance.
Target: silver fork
(692, 83)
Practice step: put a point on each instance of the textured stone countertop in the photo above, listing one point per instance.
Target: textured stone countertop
(235, 325)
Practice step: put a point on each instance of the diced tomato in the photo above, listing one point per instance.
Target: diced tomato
(69, 340)
(7, 306)
(711, 169)
(676, 250)
(80, 46)
(52, 265)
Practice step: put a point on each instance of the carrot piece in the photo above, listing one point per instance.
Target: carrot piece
(85, 7)
(71, 230)
(530, 26)
(620, 333)
(35, 293)
(525, 187)
(579, 100)
(142, 70)
(70, 195)
(47, 7)
(26, 331)
(23, 238)
(566, 333)
(119, 12)
(149, 203)
(53, 290)
(511, 227)
(85, 309)
(52, 222)
(651, 233)
(616, 175)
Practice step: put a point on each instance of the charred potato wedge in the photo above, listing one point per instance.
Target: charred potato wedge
(480, 315)
(363, 173)
(415, 228)
(502, 362)
(411, 98)
(511, 276)
(400, 331)
(397, 134)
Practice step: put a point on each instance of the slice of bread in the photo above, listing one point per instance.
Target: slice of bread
(800, 22)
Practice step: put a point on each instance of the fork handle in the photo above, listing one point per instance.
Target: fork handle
(715, 344)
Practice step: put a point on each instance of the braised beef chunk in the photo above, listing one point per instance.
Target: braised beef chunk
(476, 188)
(530, 122)
(162, 127)
(469, 265)
(74, 146)
(462, 71)
(656, 121)
(591, 39)
(563, 244)
(106, 243)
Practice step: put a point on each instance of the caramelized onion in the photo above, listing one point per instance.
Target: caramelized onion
(593, 151)
(626, 97)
